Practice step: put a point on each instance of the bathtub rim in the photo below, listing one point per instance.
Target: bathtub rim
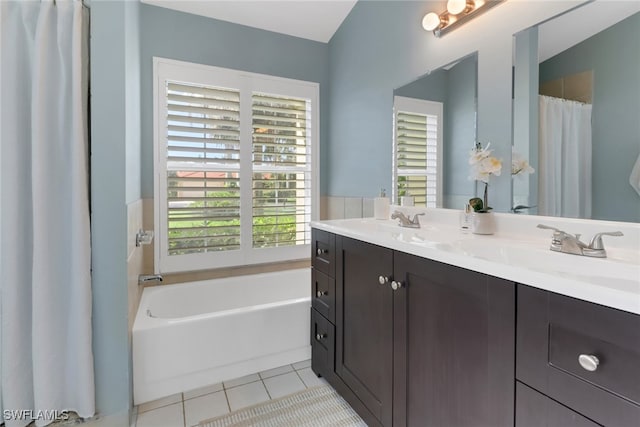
(144, 322)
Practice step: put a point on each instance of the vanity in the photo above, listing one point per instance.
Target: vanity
(432, 327)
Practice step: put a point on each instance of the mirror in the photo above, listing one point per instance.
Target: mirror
(576, 114)
(434, 129)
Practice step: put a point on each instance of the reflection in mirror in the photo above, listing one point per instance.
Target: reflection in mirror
(434, 130)
(576, 114)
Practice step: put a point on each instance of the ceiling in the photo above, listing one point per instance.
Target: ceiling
(310, 19)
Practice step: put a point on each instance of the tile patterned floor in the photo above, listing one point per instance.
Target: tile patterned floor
(189, 408)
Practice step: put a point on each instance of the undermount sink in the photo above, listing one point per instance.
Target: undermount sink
(593, 270)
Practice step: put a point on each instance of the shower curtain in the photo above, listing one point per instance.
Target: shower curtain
(45, 283)
(564, 181)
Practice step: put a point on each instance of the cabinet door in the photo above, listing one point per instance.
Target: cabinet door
(534, 409)
(454, 333)
(364, 329)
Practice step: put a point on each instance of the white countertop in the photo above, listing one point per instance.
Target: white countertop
(517, 252)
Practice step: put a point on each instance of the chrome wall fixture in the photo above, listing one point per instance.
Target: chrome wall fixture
(458, 12)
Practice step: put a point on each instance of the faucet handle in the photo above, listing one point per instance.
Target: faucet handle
(546, 227)
(558, 235)
(596, 241)
(415, 217)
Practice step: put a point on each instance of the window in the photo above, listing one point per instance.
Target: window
(417, 151)
(235, 174)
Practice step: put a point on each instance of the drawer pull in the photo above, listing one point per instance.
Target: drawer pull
(383, 280)
(589, 362)
(320, 294)
(396, 285)
(321, 251)
(320, 336)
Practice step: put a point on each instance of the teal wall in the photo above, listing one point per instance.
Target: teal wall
(614, 57)
(525, 115)
(432, 87)
(115, 172)
(132, 101)
(460, 132)
(181, 36)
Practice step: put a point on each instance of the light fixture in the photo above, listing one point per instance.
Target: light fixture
(458, 12)
(456, 7)
(431, 21)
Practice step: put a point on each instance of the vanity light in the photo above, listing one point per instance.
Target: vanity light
(456, 7)
(457, 13)
(431, 21)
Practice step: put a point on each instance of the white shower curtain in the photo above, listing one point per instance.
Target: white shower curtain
(45, 283)
(564, 158)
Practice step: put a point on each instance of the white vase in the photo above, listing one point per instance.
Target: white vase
(483, 223)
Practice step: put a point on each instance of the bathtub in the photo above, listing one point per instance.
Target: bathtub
(190, 335)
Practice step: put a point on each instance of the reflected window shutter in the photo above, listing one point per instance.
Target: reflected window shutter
(417, 157)
(203, 165)
(281, 161)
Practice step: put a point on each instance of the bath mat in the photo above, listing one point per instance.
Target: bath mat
(319, 406)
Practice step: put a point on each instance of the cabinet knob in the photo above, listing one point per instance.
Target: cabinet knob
(396, 285)
(321, 293)
(321, 251)
(320, 336)
(383, 280)
(588, 362)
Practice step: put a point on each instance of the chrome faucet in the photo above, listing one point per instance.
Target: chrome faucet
(406, 221)
(518, 209)
(144, 278)
(565, 242)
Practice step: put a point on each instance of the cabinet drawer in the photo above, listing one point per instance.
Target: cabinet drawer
(323, 251)
(322, 345)
(534, 409)
(323, 294)
(556, 332)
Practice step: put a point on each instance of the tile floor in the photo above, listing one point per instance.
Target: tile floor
(189, 408)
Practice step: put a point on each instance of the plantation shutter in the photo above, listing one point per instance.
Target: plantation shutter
(281, 162)
(235, 180)
(417, 151)
(417, 147)
(203, 165)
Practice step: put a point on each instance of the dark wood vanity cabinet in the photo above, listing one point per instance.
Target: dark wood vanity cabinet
(438, 350)
(364, 325)
(581, 355)
(454, 333)
(323, 303)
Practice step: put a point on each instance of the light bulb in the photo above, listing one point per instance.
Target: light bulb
(431, 21)
(455, 7)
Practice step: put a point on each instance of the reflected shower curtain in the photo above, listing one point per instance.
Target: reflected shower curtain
(45, 283)
(564, 180)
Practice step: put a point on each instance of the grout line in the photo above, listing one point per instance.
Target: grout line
(184, 412)
(267, 389)
(226, 396)
(240, 385)
(303, 383)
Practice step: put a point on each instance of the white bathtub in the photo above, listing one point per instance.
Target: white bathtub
(194, 334)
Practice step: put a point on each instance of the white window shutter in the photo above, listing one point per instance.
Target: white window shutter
(418, 151)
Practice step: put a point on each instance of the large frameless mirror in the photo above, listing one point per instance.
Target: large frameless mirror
(576, 127)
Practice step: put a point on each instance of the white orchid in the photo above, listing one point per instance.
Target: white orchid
(483, 164)
(519, 165)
